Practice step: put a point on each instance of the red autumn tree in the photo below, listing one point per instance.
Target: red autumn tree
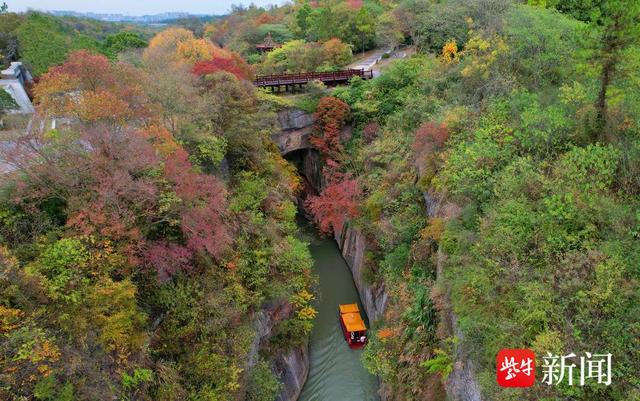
(92, 89)
(101, 178)
(331, 115)
(169, 258)
(339, 200)
(91, 70)
(203, 200)
(218, 64)
(337, 203)
(264, 18)
(430, 137)
(103, 173)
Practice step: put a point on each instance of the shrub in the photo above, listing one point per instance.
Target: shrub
(263, 384)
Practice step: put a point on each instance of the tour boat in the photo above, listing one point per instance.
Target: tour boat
(353, 328)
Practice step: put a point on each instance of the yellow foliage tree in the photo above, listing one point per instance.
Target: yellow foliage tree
(434, 230)
(483, 55)
(168, 40)
(194, 50)
(450, 51)
(180, 46)
(115, 313)
(163, 47)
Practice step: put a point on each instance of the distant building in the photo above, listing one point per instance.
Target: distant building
(12, 81)
(268, 45)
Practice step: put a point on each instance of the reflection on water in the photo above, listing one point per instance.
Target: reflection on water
(336, 372)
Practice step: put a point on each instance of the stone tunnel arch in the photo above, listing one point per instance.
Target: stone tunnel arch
(295, 128)
(293, 140)
(309, 165)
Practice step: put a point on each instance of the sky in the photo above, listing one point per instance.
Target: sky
(133, 7)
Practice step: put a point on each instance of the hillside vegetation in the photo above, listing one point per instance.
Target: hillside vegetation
(42, 41)
(141, 238)
(532, 180)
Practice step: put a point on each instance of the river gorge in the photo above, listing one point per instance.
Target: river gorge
(335, 371)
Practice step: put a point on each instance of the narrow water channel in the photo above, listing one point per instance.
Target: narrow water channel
(336, 372)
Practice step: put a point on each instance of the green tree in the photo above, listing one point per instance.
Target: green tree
(45, 42)
(541, 45)
(408, 14)
(365, 23)
(388, 30)
(6, 102)
(441, 24)
(279, 32)
(263, 385)
(618, 24)
(298, 55)
(321, 24)
(301, 18)
(123, 40)
(9, 22)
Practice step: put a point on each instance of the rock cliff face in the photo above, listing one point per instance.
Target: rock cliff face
(295, 128)
(311, 168)
(291, 366)
(291, 119)
(461, 384)
(353, 245)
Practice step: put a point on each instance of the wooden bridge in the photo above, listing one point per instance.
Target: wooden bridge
(276, 81)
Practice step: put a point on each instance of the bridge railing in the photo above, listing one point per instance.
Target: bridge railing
(304, 77)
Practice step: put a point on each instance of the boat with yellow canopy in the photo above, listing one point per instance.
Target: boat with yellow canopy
(353, 327)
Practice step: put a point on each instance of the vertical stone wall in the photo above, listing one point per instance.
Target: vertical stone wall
(461, 384)
(353, 245)
(293, 369)
(290, 366)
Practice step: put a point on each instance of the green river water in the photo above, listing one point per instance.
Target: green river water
(336, 372)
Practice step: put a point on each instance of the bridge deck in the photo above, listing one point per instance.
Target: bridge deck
(331, 78)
